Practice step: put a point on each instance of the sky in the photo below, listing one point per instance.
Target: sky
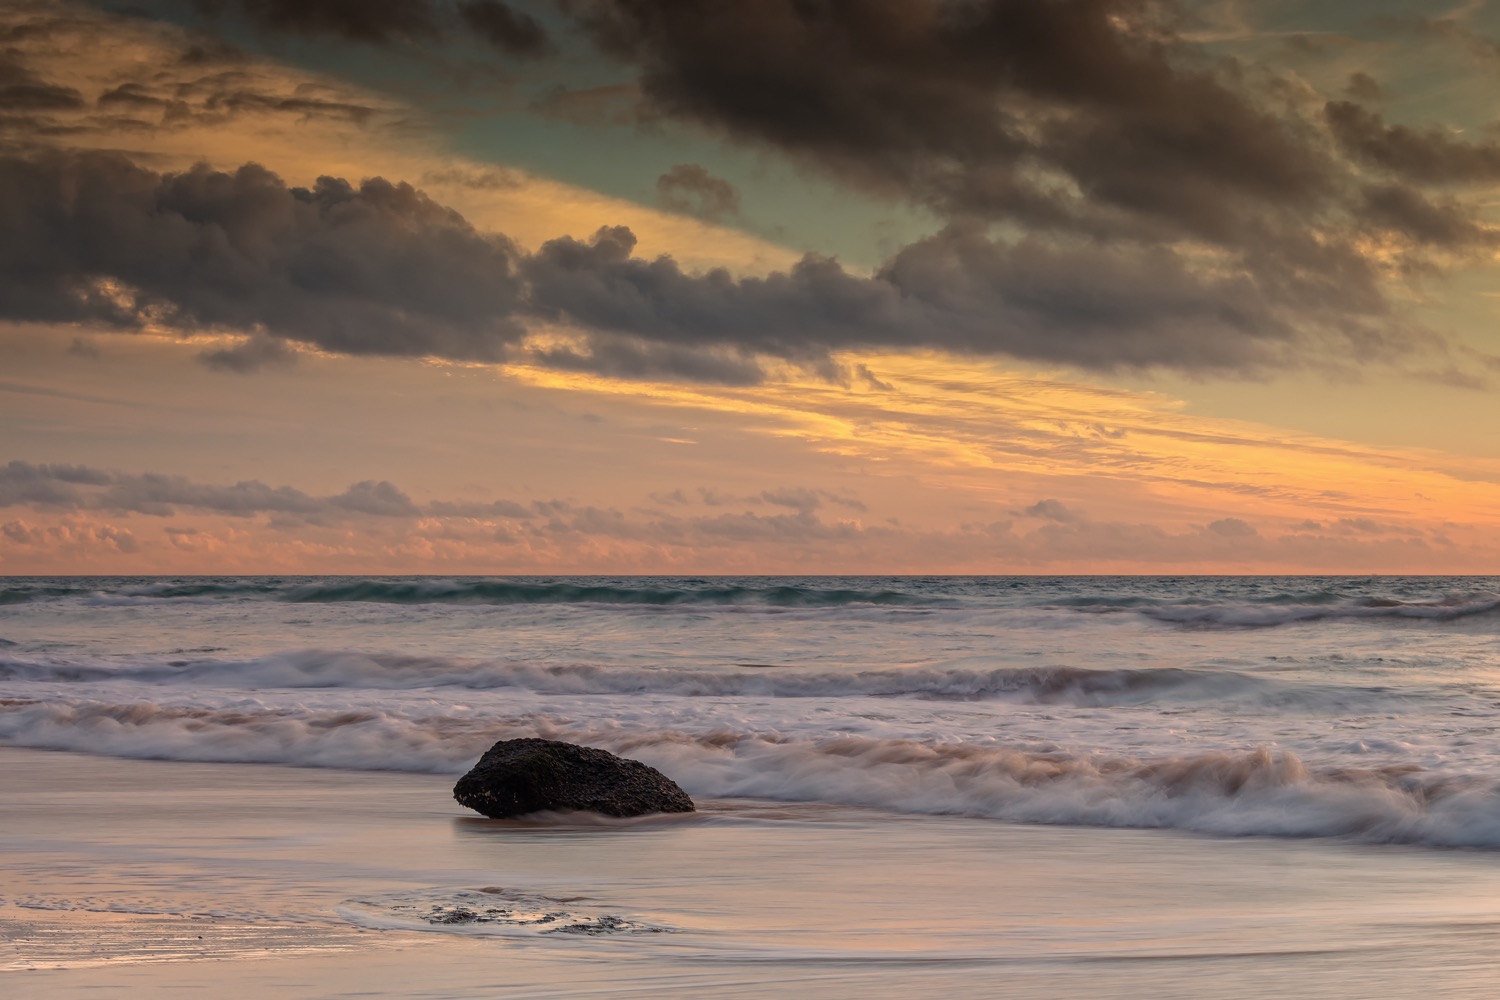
(774, 286)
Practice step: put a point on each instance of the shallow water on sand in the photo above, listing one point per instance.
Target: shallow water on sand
(1253, 786)
(119, 875)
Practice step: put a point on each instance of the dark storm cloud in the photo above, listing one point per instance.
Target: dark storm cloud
(1114, 198)
(378, 269)
(959, 104)
(383, 270)
(379, 22)
(388, 22)
(1179, 208)
(692, 190)
(958, 290)
(1444, 224)
(511, 31)
(1425, 156)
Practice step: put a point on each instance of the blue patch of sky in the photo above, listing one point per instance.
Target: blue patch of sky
(487, 106)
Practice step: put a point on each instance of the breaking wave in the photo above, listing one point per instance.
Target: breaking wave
(316, 669)
(1255, 793)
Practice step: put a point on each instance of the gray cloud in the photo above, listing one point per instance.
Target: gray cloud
(1174, 214)
(391, 22)
(963, 104)
(252, 354)
(1427, 156)
(378, 22)
(559, 528)
(83, 347)
(1364, 87)
(380, 499)
(798, 498)
(1122, 149)
(77, 487)
(1052, 510)
(692, 190)
(964, 291)
(381, 269)
(1445, 223)
(629, 357)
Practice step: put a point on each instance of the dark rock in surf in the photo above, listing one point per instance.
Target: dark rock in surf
(517, 777)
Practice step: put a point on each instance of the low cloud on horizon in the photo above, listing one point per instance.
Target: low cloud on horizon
(67, 515)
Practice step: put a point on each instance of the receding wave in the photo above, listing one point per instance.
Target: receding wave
(312, 669)
(1227, 793)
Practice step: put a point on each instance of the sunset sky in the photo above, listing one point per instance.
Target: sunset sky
(764, 286)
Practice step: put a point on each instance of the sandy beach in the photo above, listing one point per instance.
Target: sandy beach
(144, 878)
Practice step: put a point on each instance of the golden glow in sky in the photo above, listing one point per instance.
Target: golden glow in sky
(894, 353)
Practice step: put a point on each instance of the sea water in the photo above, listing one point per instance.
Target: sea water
(915, 721)
(1344, 707)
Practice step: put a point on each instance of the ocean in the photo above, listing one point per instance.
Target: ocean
(1107, 785)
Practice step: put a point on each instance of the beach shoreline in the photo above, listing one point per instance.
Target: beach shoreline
(137, 877)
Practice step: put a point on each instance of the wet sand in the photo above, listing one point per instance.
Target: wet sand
(140, 878)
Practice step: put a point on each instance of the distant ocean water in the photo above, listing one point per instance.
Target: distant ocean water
(1361, 708)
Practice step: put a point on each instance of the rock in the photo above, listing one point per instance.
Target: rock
(516, 777)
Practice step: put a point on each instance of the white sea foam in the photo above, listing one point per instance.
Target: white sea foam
(1107, 702)
(1260, 792)
(315, 669)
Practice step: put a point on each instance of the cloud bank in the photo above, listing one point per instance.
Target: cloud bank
(381, 269)
(72, 516)
(1111, 196)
